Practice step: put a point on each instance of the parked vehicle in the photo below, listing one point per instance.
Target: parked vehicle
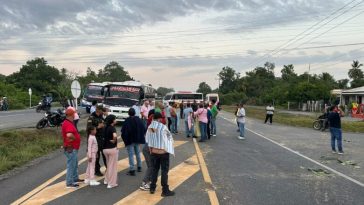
(321, 122)
(51, 119)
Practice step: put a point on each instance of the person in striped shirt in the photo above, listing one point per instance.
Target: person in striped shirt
(160, 142)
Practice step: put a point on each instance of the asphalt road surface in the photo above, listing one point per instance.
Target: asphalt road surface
(274, 165)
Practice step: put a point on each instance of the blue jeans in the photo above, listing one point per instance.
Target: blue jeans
(134, 148)
(213, 126)
(72, 167)
(189, 132)
(174, 124)
(336, 134)
(241, 128)
(203, 130)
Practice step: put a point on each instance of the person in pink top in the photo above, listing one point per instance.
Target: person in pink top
(201, 114)
(144, 110)
(92, 148)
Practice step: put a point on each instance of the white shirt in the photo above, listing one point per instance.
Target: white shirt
(92, 109)
(137, 110)
(241, 115)
(270, 110)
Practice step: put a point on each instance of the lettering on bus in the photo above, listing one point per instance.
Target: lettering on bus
(125, 89)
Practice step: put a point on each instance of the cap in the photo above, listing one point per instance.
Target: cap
(70, 111)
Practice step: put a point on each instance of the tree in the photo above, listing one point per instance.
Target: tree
(2, 78)
(38, 75)
(228, 77)
(343, 83)
(204, 88)
(113, 72)
(355, 72)
(288, 72)
(162, 91)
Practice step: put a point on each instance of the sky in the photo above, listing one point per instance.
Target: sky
(180, 43)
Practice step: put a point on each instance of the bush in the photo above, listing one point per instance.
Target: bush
(233, 98)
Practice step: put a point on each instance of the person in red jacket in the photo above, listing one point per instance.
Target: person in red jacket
(71, 144)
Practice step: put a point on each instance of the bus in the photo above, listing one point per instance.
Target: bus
(93, 91)
(119, 97)
(183, 96)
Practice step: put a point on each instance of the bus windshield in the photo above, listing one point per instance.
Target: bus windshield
(126, 92)
(93, 90)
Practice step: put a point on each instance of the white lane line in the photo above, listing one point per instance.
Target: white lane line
(305, 157)
(11, 115)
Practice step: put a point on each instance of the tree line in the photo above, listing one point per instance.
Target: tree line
(260, 85)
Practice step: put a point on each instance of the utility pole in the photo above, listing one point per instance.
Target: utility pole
(308, 74)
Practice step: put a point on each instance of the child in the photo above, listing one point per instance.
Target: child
(92, 149)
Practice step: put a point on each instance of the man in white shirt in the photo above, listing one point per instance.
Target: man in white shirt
(240, 118)
(270, 111)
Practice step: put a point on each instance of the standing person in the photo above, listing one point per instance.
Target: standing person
(144, 110)
(240, 118)
(201, 115)
(269, 115)
(334, 119)
(136, 107)
(173, 111)
(168, 114)
(151, 104)
(160, 142)
(214, 112)
(181, 107)
(188, 118)
(76, 117)
(111, 152)
(236, 114)
(93, 107)
(96, 119)
(209, 116)
(92, 148)
(133, 132)
(71, 145)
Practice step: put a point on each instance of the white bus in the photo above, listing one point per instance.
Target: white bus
(183, 96)
(119, 97)
(212, 96)
(93, 91)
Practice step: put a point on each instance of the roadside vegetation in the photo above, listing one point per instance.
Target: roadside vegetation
(294, 119)
(18, 147)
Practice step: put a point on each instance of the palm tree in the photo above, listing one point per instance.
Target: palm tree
(355, 72)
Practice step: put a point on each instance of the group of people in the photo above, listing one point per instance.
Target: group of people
(148, 133)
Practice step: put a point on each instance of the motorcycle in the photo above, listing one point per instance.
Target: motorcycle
(46, 106)
(51, 119)
(321, 122)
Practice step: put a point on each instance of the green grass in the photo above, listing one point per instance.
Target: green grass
(18, 147)
(294, 120)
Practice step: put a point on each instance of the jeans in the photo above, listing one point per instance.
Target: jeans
(72, 167)
(160, 161)
(169, 123)
(213, 126)
(189, 132)
(241, 128)
(148, 174)
(134, 148)
(203, 130)
(173, 125)
(336, 134)
(208, 129)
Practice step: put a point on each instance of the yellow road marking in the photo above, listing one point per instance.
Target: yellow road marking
(59, 189)
(176, 177)
(50, 181)
(206, 176)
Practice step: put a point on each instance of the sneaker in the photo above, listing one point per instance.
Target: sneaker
(72, 186)
(110, 187)
(145, 186)
(94, 183)
(214, 135)
(241, 138)
(139, 169)
(334, 151)
(86, 181)
(168, 193)
(105, 182)
(341, 153)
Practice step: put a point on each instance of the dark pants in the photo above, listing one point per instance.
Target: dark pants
(97, 163)
(169, 123)
(147, 156)
(181, 112)
(160, 161)
(270, 117)
(208, 130)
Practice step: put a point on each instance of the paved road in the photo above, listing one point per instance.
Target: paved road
(21, 118)
(272, 166)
